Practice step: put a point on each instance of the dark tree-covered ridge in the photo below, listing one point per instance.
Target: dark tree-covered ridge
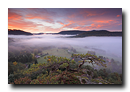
(71, 32)
(18, 32)
(99, 33)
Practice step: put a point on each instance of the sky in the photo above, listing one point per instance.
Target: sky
(54, 20)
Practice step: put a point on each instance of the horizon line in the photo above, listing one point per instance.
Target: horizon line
(69, 30)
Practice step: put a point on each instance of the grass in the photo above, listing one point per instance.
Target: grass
(41, 60)
(58, 52)
(55, 52)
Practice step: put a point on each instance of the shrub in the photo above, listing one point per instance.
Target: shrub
(83, 80)
(14, 68)
(24, 80)
(11, 78)
(95, 74)
(15, 63)
(35, 81)
(64, 65)
(18, 75)
(10, 68)
(62, 69)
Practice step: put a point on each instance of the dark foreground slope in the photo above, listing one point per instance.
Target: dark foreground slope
(18, 32)
(60, 70)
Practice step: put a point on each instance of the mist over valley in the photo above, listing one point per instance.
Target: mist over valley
(61, 45)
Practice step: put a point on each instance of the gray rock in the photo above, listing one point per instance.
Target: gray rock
(99, 83)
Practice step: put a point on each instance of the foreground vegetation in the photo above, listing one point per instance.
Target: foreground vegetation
(24, 69)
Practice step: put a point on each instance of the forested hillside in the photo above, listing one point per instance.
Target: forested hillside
(98, 33)
(23, 68)
(71, 32)
(18, 32)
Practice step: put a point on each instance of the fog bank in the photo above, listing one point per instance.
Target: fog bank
(111, 46)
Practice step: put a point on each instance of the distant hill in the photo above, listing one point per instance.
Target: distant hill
(38, 33)
(78, 33)
(67, 32)
(71, 32)
(18, 32)
(98, 33)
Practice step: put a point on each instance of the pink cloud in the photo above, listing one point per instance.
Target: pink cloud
(87, 28)
(48, 29)
(82, 19)
(104, 21)
(23, 25)
(72, 16)
(87, 13)
(60, 22)
(118, 15)
(42, 17)
(91, 24)
(65, 25)
(14, 16)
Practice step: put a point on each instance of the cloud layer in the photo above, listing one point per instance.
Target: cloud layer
(53, 20)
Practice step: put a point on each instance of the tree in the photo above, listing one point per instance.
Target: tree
(10, 78)
(15, 63)
(55, 63)
(95, 74)
(36, 61)
(29, 66)
(35, 51)
(24, 80)
(61, 70)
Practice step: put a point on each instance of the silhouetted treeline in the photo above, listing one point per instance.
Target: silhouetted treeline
(99, 33)
(72, 32)
(22, 57)
(18, 32)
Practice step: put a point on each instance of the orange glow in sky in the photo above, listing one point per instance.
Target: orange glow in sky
(53, 20)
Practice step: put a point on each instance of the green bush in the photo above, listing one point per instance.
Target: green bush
(53, 72)
(24, 80)
(18, 75)
(62, 69)
(95, 74)
(11, 78)
(83, 80)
